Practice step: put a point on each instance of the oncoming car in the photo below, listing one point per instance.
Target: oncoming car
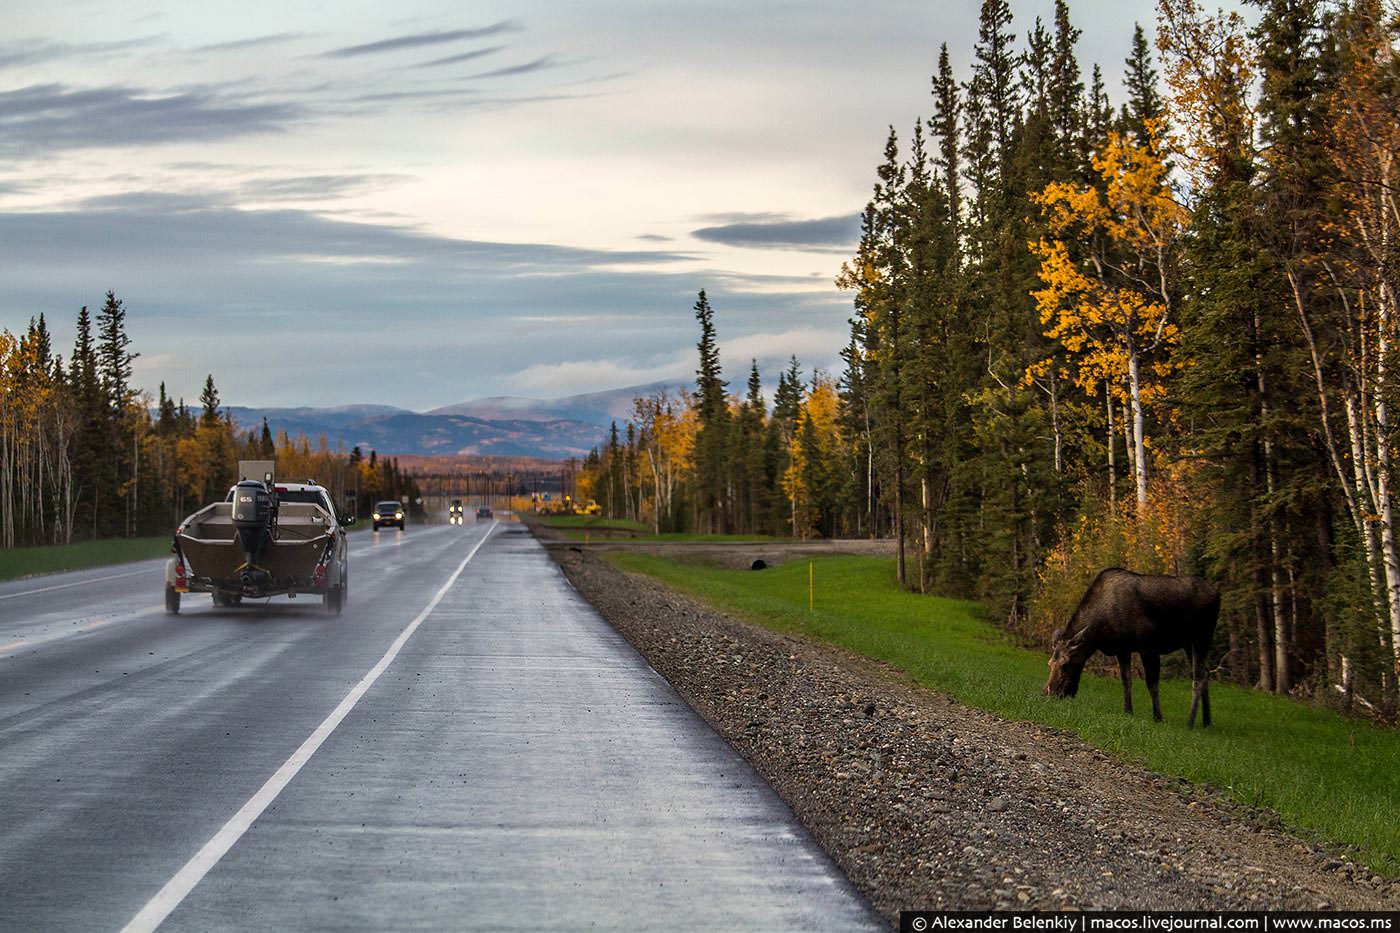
(388, 513)
(454, 512)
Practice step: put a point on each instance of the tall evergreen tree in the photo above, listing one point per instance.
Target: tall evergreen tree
(712, 439)
(752, 499)
(209, 403)
(113, 356)
(93, 441)
(1144, 100)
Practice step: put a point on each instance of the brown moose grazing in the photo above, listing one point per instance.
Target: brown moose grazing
(1123, 612)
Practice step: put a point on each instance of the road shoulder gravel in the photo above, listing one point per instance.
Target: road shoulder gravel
(926, 803)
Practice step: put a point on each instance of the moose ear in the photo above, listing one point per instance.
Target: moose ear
(1058, 635)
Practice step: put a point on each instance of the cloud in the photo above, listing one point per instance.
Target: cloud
(140, 225)
(238, 45)
(45, 117)
(214, 289)
(571, 376)
(464, 57)
(422, 39)
(842, 231)
(771, 350)
(315, 187)
(538, 64)
(30, 52)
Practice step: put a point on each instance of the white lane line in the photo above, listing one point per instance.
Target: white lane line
(64, 586)
(179, 887)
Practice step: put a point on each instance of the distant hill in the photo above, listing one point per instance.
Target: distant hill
(600, 408)
(504, 426)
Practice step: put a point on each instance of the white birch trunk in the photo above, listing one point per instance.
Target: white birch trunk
(1139, 429)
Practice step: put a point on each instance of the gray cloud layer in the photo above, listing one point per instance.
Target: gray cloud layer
(26, 53)
(55, 116)
(245, 294)
(841, 232)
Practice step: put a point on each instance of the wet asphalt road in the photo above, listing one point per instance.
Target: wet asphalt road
(514, 764)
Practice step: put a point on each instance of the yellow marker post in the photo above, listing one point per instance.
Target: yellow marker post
(811, 589)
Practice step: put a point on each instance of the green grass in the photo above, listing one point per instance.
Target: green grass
(26, 561)
(596, 527)
(591, 523)
(1327, 776)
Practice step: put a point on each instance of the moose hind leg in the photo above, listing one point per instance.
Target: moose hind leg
(1125, 670)
(1152, 672)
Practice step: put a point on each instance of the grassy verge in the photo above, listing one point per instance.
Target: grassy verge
(1327, 776)
(24, 562)
(597, 528)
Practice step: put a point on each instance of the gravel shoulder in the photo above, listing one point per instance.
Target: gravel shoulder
(926, 803)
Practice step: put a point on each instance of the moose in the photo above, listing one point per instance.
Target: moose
(1123, 612)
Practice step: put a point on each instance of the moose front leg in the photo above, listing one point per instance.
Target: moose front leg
(1152, 670)
(1125, 670)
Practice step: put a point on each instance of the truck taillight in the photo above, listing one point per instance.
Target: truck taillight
(179, 570)
(319, 579)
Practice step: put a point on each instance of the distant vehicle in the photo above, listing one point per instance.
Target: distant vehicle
(483, 512)
(454, 512)
(262, 540)
(389, 512)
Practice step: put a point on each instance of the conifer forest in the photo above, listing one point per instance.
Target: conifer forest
(1160, 335)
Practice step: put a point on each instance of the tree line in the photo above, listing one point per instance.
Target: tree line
(1160, 335)
(84, 454)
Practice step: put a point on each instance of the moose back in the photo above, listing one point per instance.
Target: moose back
(1124, 612)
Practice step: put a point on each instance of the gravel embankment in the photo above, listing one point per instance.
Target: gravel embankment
(926, 803)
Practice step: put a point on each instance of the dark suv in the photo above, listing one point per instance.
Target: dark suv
(388, 513)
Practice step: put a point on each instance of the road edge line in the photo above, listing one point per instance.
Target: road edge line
(64, 586)
(192, 872)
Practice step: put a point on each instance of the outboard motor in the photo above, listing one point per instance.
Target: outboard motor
(253, 510)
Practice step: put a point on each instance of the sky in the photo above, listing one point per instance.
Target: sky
(418, 203)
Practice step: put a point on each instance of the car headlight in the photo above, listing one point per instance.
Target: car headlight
(376, 516)
(398, 515)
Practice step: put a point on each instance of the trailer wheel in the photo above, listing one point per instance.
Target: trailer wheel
(172, 601)
(334, 601)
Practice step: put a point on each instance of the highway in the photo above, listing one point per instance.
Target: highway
(469, 746)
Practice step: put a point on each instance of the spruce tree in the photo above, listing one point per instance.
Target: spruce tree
(751, 503)
(209, 403)
(712, 438)
(93, 441)
(1144, 100)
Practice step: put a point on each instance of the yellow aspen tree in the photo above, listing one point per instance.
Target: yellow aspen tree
(668, 429)
(1107, 262)
(9, 432)
(814, 454)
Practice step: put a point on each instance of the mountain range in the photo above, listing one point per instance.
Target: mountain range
(503, 425)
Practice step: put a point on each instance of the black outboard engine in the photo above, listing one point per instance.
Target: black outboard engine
(253, 514)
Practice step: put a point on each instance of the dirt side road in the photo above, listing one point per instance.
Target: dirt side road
(929, 804)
